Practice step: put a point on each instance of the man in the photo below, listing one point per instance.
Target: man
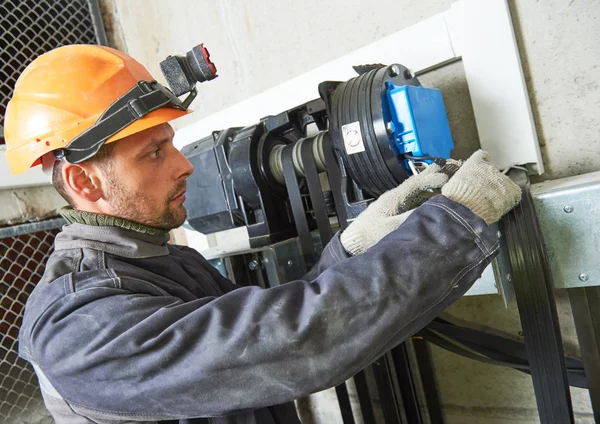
(124, 327)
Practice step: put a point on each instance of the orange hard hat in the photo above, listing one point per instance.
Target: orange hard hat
(63, 93)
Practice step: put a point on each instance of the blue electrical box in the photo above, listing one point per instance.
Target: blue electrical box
(416, 121)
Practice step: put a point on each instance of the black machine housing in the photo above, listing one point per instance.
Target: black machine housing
(234, 185)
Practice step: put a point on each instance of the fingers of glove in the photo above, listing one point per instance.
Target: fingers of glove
(431, 169)
(404, 197)
(417, 200)
(397, 220)
(422, 192)
(479, 156)
(510, 194)
(482, 188)
(362, 234)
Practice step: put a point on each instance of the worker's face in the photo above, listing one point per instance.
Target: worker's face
(145, 179)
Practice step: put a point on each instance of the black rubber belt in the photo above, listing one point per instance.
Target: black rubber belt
(291, 183)
(537, 308)
(406, 384)
(385, 387)
(427, 374)
(335, 182)
(314, 189)
(344, 403)
(334, 176)
(364, 398)
(306, 243)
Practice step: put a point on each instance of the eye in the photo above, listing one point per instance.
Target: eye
(155, 154)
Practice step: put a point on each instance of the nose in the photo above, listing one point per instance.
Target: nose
(184, 166)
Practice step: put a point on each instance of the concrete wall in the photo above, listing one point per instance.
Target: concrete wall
(258, 44)
(29, 204)
(262, 43)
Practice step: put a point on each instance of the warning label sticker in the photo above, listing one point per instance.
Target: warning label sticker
(353, 141)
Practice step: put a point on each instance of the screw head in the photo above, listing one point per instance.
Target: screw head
(584, 277)
(389, 127)
(509, 278)
(568, 209)
(499, 234)
(253, 264)
(394, 70)
(290, 262)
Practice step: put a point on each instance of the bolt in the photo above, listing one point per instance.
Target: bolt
(389, 127)
(568, 209)
(407, 74)
(290, 262)
(253, 264)
(584, 277)
(509, 278)
(394, 70)
(499, 234)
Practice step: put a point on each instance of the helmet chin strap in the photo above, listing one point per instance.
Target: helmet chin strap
(48, 162)
(139, 101)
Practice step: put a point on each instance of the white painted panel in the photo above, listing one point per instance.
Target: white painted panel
(33, 177)
(418, 47)
(497, 86)
(455, 24)
(224, 243)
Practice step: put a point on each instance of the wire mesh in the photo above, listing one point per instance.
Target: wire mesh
(29, 28)
(21, 267)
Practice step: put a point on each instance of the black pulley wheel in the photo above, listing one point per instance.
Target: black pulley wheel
(360, 100)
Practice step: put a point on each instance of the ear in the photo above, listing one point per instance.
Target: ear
(83, 181)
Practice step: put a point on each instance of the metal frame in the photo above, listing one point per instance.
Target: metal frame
(96, 15)
(23, 253)
(33, 227)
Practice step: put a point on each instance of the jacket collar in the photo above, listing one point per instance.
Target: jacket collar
(114, 240)
(90, 218)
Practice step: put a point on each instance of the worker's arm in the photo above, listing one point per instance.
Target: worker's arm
(153, 356)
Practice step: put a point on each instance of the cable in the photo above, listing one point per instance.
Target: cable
(492, 349)
(435, 159)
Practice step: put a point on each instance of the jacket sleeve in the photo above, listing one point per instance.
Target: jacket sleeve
(155, 357)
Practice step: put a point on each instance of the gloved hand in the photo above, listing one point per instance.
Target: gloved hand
(479, 186)
(393, 207)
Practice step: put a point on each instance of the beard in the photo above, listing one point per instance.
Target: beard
(143, 209)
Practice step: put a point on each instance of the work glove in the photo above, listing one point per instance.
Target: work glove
(393, 208)
(479, 186)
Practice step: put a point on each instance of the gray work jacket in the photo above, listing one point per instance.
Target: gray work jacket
(124, 327)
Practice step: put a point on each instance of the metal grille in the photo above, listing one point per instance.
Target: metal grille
(21, 267)
(29, 28)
